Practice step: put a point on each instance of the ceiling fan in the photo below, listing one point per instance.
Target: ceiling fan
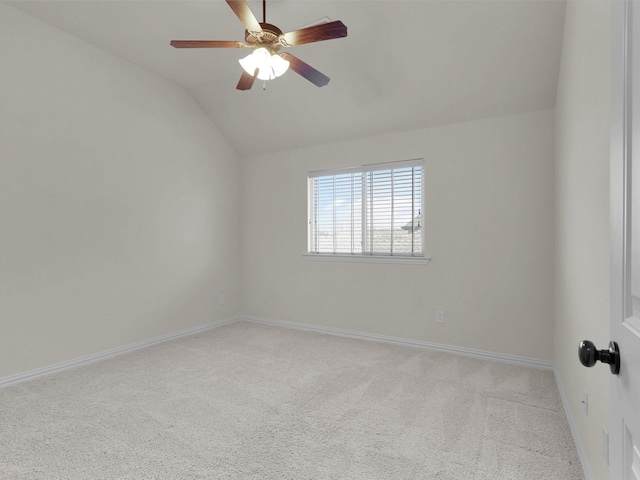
(266, 63)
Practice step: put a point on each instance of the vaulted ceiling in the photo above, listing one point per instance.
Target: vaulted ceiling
(404, 65)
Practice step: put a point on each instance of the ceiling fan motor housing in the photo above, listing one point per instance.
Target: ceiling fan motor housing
(270, 37)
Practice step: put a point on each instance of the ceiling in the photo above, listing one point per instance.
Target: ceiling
(404, 65)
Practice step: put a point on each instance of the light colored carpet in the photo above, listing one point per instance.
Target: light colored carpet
(248, 401)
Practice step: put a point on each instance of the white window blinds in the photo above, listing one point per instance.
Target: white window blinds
(370, 210)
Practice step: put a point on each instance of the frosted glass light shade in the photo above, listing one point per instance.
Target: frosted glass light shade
(269, 66)
(279, 65)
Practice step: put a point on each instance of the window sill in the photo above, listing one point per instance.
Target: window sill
(323, 257)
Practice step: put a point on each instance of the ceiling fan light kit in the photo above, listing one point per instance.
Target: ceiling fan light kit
(269, 65)
(265, 63)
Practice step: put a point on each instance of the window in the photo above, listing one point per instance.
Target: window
(366, 212)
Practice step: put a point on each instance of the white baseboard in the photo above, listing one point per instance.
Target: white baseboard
(469, 352)
(588, 473)
(22, 377)
(77, 362)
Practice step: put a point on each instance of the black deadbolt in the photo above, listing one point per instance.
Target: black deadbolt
(589, 355)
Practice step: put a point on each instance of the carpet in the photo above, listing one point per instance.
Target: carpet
(250, 401)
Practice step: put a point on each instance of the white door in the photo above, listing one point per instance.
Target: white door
(624, 437)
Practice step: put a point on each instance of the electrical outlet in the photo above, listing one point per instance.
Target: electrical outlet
(221, 299)
(605, 445)
(585, 404)
(439, 316)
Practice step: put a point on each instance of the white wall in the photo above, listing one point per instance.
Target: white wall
(489, 231)
(118, 202)
(583, 119)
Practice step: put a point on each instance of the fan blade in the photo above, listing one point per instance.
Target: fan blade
(206, 44)
(305, 70)
(246, 80)
(317, 33)
(246, 16)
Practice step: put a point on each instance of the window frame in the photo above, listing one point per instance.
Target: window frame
(366, 257)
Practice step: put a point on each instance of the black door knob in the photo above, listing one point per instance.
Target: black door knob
(589, 355)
